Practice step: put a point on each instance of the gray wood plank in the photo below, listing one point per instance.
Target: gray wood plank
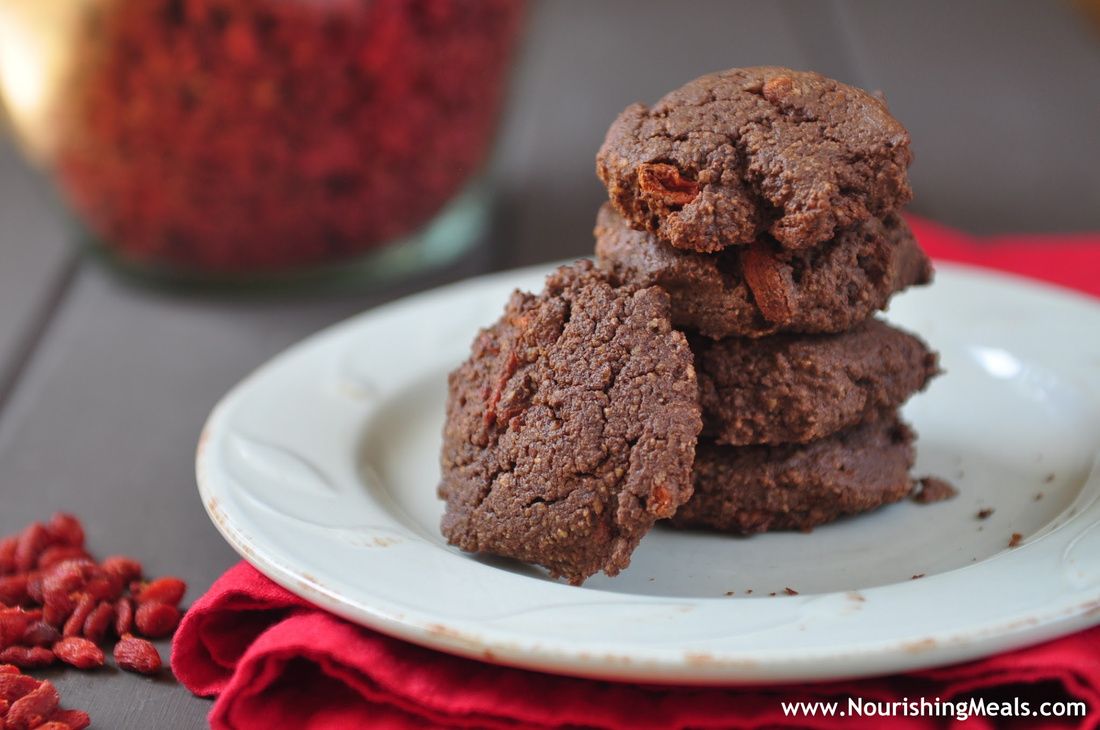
(1002, 101)
(36, 257)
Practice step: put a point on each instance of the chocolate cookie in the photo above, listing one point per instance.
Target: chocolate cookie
(748, 489)
(734, 154)
(797, 388)
(758, 290)
(571, 428)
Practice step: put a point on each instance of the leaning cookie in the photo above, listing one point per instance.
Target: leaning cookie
(749, 489)
(571, 428)
(735, 154)
(798, 388)
(762, 289)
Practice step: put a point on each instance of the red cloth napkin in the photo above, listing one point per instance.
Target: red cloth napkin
(1072, 260)
(274, 661)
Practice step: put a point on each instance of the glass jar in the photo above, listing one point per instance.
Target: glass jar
(243, 138)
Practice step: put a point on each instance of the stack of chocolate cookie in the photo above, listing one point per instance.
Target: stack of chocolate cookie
(752, 234)
(765, 202)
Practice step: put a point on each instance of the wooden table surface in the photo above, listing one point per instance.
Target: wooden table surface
(104, 386)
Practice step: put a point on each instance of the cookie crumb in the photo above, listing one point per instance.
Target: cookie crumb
(917, 576)
(984, 513)
(772, 593)
(749, 591)
(932, 489)
(1038, 496)
(1049, 478)
(1015, 540)
(790, 591)
(729, 593)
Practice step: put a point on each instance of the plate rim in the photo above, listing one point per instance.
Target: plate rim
(722, 668)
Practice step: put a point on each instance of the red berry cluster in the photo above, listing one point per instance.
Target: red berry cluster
(26, 702)
(239, 136)
(59, 604)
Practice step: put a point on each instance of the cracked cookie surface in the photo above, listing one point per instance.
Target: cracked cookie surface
(762, 289)
(797, 388)
(750, 489)
(571, 428)
(765, 149)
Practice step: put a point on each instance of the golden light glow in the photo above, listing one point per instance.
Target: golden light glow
(36, 54)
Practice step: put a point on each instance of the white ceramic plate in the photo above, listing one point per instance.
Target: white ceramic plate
(321, 469)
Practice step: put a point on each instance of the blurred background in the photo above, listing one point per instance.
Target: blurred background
(1002, 99)
(161, 157)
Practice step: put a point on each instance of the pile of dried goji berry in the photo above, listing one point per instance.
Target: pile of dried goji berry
(26, 702)
(59, 604)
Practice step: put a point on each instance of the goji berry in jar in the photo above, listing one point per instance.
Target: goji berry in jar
(246, 136)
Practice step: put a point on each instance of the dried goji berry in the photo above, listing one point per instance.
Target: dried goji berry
(65, 529)
(27, 657)
(72, 719)
(54, 554)
(13, 590)
(34, 586)
(104, 587)
(15, 685)
(769, 282)
(55, 614)
(126, 569)
(306, 102)
(56, 603)
(75, 625)
(13, 623)
(40, 633)
(137, 655)
(34, 708)
(162, 590)
(29, 615)
(63, 579)
(124, 616)
(32, 541)
(7, 554)
(664, 185)
(156, 620)
(80, 653)
(99, 622)
(59, 608)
